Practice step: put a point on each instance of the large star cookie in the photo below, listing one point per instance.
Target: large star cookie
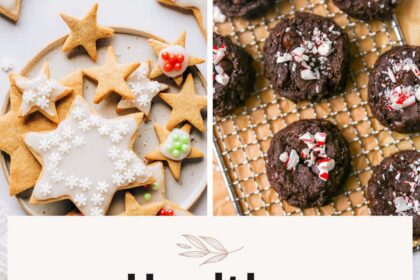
(143, 89)
(111, 77)
(161, 208)
(24, 168)
(85, 32)
(39, 94)
(173, 59)
(10, 9)
(197, 7)
(87, 159)
(186, 106)
(174, 147)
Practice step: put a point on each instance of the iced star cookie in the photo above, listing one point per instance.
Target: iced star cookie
(174, 147)
(111, 77)
(87, 159)
(186, 106)
(85, 32)
(10, 9)
(24, 168)
(162, 208)
(156, 191)
(173, 59)
(197, 7)
(394, 89)
(40, 94)
(143, 89)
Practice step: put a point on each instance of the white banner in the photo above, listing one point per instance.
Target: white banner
(208, 248)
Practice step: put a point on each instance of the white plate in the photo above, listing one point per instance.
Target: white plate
(130, 46)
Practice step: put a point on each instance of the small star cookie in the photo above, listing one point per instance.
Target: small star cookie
(173, 59)
(10, 9)
(174, 147)
(143, 89)
(85, 32)
(40, 94)
(197, 7)
(87, 159)
(111, 77)
(154, 192)
(186, 106)
(161, 208)
(24, 168)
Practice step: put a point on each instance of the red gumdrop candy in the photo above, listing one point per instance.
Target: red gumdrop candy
(165, 55)
(167, 67)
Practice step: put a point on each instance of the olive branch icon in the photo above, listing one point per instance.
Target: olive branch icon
(204, 246)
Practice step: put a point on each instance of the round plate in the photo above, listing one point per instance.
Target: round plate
(130, 46)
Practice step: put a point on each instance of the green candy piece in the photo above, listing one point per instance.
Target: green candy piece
(175, 153)
(185, 148)
(177, 145)
(154, 187)
(147, 196)
(184, 139)
(175, 137)
(169, 148)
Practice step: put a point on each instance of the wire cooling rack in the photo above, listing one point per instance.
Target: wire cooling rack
(241, 140)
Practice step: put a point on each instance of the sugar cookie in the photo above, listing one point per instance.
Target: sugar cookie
(87, 159)
(10, 9)
(85, 32)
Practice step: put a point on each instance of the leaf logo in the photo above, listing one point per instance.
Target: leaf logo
(204, 246)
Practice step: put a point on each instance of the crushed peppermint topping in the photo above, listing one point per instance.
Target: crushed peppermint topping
(219, 74)
(305, 55)
(314, 154)
(399, 97)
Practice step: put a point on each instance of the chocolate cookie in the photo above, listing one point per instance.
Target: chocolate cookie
(394, 187)
(308, 162)
(306, 57)
(394, 89)
(233, 75)
(243, 8)
(367, 9)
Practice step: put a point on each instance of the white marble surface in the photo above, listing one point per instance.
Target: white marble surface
(40, 23)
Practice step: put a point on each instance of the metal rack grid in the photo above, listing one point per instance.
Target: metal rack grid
(241, 140)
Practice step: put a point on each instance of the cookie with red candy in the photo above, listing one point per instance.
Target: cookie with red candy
(308, 162)
(394, 89)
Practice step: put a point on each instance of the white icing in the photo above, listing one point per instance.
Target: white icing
(8, 4)
(6, 65)
(39, 92)
(143, 89)
(199, 4)
(218, 16)
(183, 141)
(83, 164)
(219, 52)
(175, 50)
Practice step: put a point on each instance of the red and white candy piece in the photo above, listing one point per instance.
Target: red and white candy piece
(401, 98)
(218, 54)
(221, 77)
(403, 203)
(320, 138)
(308, 139)
(291, 160)
(325, 166)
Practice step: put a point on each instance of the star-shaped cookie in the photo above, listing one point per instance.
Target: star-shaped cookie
(24, 168)
(40, 94)
(174, 165)
(197, 7)
(85, 32)
(161, 208)
(186, 106)
(173, 59)
(143, 89)
(87, 159)
(111, 77)
(10, 9)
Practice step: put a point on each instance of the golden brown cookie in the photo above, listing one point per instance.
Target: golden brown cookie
(173, 59)
(24, 168)
(186, 106)
(11, 10)
(197, 7)
(40, 94)
(111, 77)
(85, 32)
(162, 208)
(87, 159)
(154, 192)
(174, 161)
